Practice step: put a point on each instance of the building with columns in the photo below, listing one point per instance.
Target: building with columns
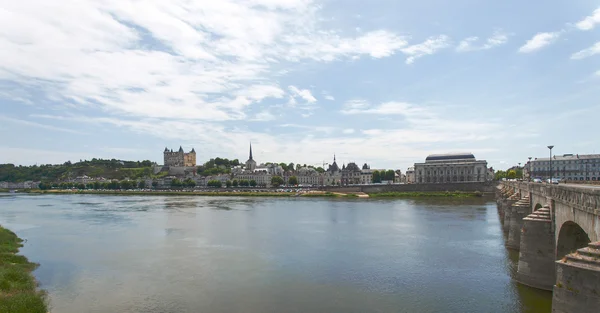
(451, 168)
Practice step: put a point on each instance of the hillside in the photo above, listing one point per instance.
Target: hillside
(110, 169)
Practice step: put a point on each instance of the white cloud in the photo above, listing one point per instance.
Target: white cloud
(264, 116)
(170, 59)
(387, 108)
(428, 47)
(539, 41)
(585, 53)
(329, 97)
(7, 119)
(589, 22)
(348, 131)
(497, 39)
(302, 93)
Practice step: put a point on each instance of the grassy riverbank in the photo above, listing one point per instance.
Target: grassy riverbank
(397, 194)
(18, 288)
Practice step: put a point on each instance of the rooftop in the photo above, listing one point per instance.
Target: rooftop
(450, 156)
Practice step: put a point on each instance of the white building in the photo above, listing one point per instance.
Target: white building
(410, 175)
(582, 167)
(451, 168)
(309, 176)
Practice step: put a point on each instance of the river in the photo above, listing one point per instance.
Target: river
(160, 254)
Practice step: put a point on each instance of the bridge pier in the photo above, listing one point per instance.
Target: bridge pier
(518, 212)
(577, 286)
(508, 211)
(536, 256)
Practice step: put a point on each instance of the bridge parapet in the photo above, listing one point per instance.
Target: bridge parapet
(585, 198)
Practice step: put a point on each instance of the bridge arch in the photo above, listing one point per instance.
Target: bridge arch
(570, 238)
(537, 206)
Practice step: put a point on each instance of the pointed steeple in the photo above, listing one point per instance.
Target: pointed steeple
(334, 158)
(250, 151)
(193, 151)
(180, 149)
(166, 149)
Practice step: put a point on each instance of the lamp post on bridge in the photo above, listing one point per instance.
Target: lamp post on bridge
(521, 170)
(550, 147)
(529, 168)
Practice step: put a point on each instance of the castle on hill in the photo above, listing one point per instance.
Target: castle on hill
(179, 158)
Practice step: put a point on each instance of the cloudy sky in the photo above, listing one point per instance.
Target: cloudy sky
(382, 81)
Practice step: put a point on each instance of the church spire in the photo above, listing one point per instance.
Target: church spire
(334, 158)
(250, 150)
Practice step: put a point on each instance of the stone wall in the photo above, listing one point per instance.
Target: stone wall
(466, 187)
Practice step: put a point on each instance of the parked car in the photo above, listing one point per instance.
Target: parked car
(553, 181)
(537, 180)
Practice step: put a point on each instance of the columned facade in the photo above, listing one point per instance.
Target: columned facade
(451, 168)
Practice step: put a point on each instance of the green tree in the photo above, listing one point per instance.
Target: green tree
(154, 184)
(277, 181)
(290, 167)
(293, 180)
(376, 177)
(176, 183)
(228, 184)
(235, 183)
(390, 175)
(320, 170)
(214, 183)
(190, 183)
(244, 183)
(512, 174)
(498, 175)
(142, 184)
(253, 183)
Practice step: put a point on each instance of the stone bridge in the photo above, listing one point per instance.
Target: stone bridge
(556, 229)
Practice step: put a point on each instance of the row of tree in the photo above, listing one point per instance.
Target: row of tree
(379, 176)
(510, 174)
(112, 185)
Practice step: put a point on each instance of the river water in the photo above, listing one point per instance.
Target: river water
(161, 254)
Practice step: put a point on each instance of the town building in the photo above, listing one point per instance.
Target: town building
(333, 175)
(410, 175)
(309, 177)
(351, 174)
(451, 168)
(582, 167)
(179, 158)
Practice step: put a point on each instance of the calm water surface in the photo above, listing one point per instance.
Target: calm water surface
(205, 254)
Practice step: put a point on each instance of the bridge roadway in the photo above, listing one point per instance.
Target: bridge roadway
(556, 229)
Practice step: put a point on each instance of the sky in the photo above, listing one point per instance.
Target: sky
(386, 82)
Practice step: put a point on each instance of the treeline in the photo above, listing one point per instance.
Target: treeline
(379, 176)
(217, 166)
(112, 169)
(510, 174)
(116, 185)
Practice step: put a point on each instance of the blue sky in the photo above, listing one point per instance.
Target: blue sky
(385, 82)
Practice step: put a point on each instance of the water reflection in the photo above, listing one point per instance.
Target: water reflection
(195, 254)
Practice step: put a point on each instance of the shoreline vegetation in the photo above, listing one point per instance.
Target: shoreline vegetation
(18, 287)
(220, 193)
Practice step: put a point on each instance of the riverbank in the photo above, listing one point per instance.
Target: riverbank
(18, 288)
(400, 194)
(311, 193)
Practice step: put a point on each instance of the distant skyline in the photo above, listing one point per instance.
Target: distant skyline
(386, 83)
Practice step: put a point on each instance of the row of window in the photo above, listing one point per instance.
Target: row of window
(590, 161)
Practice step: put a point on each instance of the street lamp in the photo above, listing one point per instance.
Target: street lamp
(550, 147)
(529, 168)
(519, 168)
